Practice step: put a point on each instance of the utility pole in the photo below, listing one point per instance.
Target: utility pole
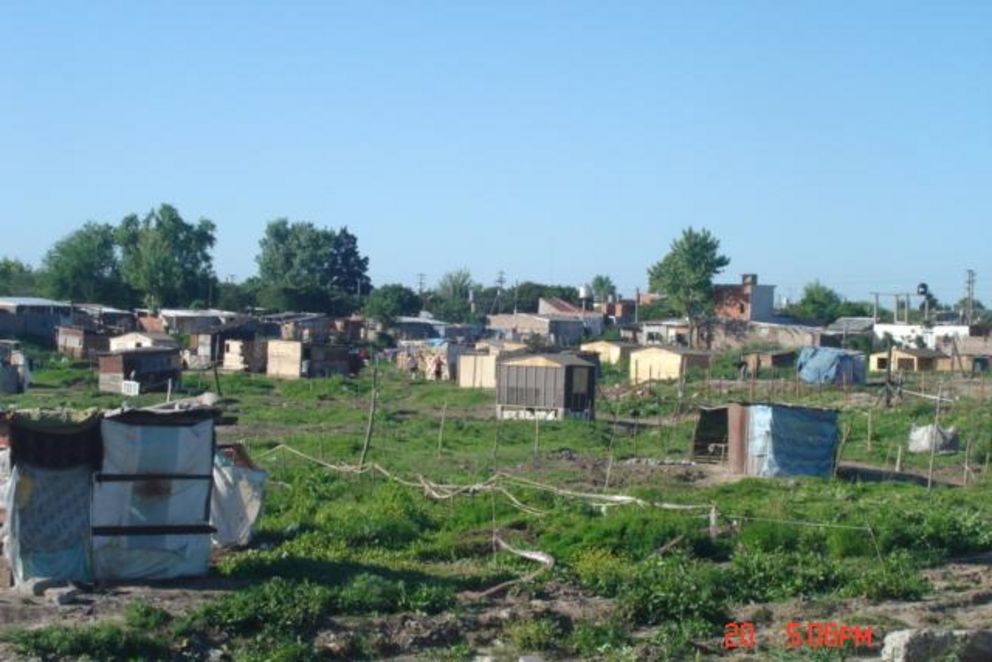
(969, 297)
(637, 305)
(497, 304)
(420, 283)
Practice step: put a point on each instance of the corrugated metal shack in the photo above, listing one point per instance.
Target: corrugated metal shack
(151, 367)
(768, 440)
(548, 386)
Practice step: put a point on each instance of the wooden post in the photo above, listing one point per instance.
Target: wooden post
(440, 432)
(372, 403)
(537, 436)
(714, 522)
(217, 381)
(899, 458)
(967, 453)
(499, 427)
(933, 436)
(869, 430)
(840, 447)
(168, 390)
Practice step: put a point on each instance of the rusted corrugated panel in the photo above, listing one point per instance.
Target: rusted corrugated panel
(737, 426)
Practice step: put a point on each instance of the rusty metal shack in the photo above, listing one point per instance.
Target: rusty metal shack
(546, 386)
(762, 439)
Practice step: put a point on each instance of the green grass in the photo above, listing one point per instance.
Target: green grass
(333, 545)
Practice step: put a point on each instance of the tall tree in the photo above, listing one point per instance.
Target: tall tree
(165, 259)
(524, 296)
(17, 278)
(685, 275)
(449, 300)
(388, 302)
(602, 287)
(84, 266)
(306, 267)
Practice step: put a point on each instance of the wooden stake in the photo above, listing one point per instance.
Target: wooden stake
(372, 403)
(440, 432)
(499, 427)
(933, 436)
(899, 458)
(869, 430)
(537, 436)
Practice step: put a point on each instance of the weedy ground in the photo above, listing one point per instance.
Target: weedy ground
(361, 566)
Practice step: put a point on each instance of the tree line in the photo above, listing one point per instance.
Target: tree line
(162, 260)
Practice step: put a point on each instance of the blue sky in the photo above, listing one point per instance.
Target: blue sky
(850, 142)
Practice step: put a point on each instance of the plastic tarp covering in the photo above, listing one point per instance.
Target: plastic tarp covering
(161, 449)
(141, 485)
(826, 365)
(924, 437)
(237, 502)
(48, 524)
(791, 441)
(151, 557)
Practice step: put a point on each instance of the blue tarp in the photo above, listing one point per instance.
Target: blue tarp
(826, 365)
(791, 441)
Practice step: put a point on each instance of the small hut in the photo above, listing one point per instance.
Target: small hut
(149, 368)
(662, 362)
(547, 386)
(768, 440)
(828, 365)
(907, 359)
(612, 352)
(768, 360)
(295, 359)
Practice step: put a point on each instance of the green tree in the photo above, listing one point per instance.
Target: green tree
(602, 287)
(525, 295)
(84, 266)
(685, 275)
(388, 302)
(449, 301)
(309, 268)
(17, 278)
(165, 259)
(818, 305)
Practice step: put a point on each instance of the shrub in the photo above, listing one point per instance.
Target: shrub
(758, 576)
(368, 593)
(143, 616)
(675, 640)
(427, 598)
(101, 642)
(595, 639)
(602, 571)
(538, 634)
(674, 588)
(278, 609)
(895, 578)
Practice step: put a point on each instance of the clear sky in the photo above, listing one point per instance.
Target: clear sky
(845, 141)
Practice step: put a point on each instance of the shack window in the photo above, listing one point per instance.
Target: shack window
(883, 364)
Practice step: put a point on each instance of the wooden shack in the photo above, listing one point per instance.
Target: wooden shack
(295, 359)
(906, 359)
(546, 386)
(81, 343)
(151, 367)
(663, 362)
(246, 355)
(477, 370)
(612, 352)
(768, 360)
(968, 364)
